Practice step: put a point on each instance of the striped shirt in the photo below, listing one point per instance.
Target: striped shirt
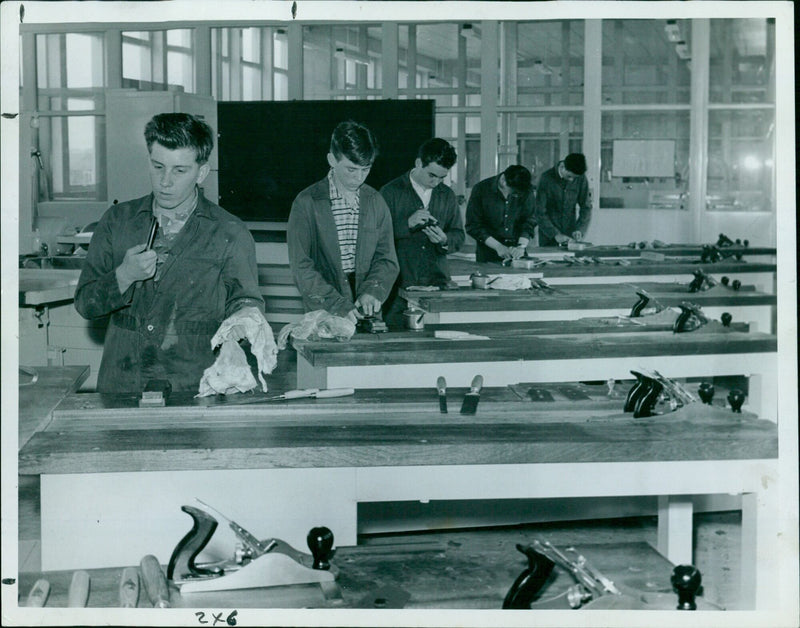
(346, 218)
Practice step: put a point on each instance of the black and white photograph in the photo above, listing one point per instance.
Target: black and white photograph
(417, 313)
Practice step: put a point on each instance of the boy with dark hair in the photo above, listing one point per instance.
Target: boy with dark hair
(426, 220)
(500, 215)
(167, 295)
(561, 189)
(339, 233)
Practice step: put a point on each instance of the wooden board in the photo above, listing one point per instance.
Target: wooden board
(481, 564)
(378, 349)
(36, 401)
(610, 267)
(406, 438)
(583, 297)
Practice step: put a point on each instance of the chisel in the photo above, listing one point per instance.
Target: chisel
(441, 387)
(38, 595)
(305, 393)
(155, 583)
(129, 588)
(470, 403)
(78, 590)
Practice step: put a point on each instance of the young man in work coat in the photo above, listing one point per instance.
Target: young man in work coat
(341, 249)
(500, 215)
(426, 221)
(561, 189)
(167, 301)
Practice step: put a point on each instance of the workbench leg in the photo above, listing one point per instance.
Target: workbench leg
(675, 528)
(761, 554)
(309, 376)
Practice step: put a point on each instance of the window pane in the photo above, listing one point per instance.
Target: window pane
(550, 62)
(646, 61)
(740, 160)
(741, 60)
(251, 83)
(644, 160)
(180, 59)
(545, 138)
(281, 86)
(280, 49)
(437, 55)
(251, 45)
(84, 59)
(72, 171)
(136, 57)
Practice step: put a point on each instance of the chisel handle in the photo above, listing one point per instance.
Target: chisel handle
(299, 394)
(477, 384)
(334, 392)
(129, 588)
(78, 590)
(155, 583)
(441, 385)
(38, 595)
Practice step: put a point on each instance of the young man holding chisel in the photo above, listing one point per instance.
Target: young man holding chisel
(167, 292)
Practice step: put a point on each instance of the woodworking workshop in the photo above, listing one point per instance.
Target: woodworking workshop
(354, 313)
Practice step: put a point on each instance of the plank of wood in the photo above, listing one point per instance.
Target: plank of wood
(711, 435)
(37, 400)
(481, 563)
(583, 297)
(374, 350)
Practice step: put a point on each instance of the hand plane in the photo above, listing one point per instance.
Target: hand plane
(255, 563)
(371, 325)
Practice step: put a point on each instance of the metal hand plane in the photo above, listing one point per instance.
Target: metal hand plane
(255, 563)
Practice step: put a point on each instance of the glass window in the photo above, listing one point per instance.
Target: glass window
(157, 60)
(740, 160)
(72, 149)
(544, 139)
(742, 60)
(644, 160)
(646, 61)
(550, 62)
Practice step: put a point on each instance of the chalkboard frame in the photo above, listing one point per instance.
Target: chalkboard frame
(271, 150)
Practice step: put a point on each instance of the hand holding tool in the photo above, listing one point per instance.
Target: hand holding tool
(129, 588)
(471, 399)
(78, 590)
(38, 595)
(441, 387)
(154, 582)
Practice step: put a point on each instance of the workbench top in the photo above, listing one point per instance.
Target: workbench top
(382, 428)
(582, 297)
(504, 345)
(581, 264)
(38, 286)
(41, 388)
(446, 570)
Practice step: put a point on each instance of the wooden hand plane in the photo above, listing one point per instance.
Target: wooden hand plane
(257, 564)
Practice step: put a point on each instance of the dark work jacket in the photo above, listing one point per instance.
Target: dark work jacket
(162, 329)
(505, 219)
(423, 263)
(556, 199)
(315, 257)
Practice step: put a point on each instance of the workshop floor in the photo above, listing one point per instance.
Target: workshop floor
(717, 534)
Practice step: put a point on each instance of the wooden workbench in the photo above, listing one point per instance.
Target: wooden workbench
(417, 571)
(573, 301)
(573, 353)
(110, 470)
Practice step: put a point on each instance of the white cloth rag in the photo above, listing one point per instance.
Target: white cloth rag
(510, 282)
(247, 322)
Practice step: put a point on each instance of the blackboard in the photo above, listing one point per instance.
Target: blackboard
(270, 151)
